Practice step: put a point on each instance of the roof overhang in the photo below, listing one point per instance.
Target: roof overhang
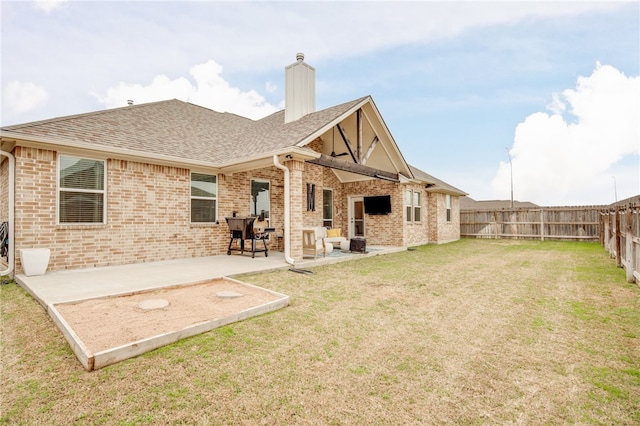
(266, 160)
(395, 169)
(8, 140)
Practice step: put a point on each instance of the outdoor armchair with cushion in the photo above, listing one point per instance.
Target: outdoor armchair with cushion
(334, 236)
(313, 242)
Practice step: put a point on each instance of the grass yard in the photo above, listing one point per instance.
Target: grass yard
(473, 332)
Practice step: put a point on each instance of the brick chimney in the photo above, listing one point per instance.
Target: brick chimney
(300, 89)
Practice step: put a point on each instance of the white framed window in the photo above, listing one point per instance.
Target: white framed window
(204, 199)
(327, 208)
(408, 200)
(448, 204)
(417, 206)
(81, 190)
(261, 198)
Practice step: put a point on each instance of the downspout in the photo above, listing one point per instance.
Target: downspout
(287, 212)
(12, 251)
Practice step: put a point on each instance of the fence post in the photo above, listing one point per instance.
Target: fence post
(542, 224)
(630, 246)
(607, 231)
(618, 232)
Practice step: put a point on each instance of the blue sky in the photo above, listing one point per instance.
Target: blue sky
(461, 85)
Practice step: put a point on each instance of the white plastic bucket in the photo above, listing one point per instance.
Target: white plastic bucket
(35, 261)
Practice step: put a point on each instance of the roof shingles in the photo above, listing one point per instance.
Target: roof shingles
(183, 130)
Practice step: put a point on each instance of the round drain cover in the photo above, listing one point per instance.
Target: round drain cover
(228, 294)
(149, 304)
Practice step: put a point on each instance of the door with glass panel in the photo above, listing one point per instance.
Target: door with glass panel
(356, 217)
(261, 199)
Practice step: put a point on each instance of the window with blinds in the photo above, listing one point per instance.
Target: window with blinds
(203, 198)
(81, 186)
(413, 205)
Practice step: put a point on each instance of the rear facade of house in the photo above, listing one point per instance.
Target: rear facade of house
(156, 181)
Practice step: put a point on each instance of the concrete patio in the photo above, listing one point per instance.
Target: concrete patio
(81, 284)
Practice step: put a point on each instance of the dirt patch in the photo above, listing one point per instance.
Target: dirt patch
(110, 322)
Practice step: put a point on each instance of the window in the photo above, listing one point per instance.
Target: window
(261, 198)
(417, 204)
(407, 201)
(203, 198)
(448, 203)
(413, 204)
(81, 195)
(327, 208)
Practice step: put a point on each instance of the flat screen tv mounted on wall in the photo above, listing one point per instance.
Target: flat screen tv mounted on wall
(380, 204)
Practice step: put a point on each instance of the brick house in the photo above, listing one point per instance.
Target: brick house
(155, 181)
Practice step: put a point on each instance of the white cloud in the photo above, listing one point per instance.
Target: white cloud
(557, 161)
(211, 90)
(49, 5)
(24, 96)
(271, 87)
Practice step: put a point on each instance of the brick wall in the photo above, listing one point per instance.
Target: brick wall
(416, 232)
(148, 213)
(440, 230)
(35, 197)
(297, 202)
(380, 229)
(234, 195)
(4, 189)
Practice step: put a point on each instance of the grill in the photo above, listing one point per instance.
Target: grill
(243, 229)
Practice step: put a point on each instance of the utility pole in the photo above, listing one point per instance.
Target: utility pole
(511, 169)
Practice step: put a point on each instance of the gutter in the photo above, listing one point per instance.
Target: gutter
(12, 251)
(287, 211)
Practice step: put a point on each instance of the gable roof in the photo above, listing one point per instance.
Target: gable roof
(178, 129)
(434, 184)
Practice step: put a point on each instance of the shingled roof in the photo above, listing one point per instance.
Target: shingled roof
(467, 203)
(435, 184)
(183, 130)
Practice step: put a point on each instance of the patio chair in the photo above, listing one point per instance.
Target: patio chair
(313, 243)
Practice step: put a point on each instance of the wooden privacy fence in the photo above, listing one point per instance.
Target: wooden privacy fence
(545, 223)
(620, 236)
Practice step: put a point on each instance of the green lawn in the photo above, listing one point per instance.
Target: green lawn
(473, 332)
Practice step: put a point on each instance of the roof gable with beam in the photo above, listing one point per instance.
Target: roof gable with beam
(357, 145)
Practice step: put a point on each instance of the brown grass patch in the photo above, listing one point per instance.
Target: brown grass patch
(475, 332)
